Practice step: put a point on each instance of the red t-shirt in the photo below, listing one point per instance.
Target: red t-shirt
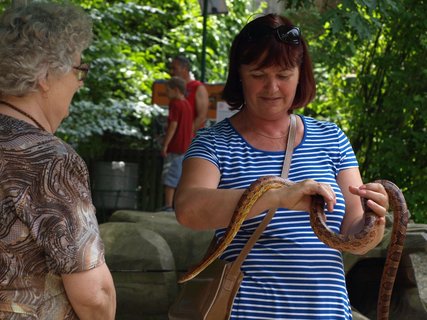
(181, 112)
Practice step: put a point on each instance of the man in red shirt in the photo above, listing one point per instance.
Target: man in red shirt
(197, 93)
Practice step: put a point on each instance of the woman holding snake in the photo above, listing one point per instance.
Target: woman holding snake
(290, 273)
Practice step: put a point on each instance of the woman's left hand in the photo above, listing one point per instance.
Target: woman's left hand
(377, 197)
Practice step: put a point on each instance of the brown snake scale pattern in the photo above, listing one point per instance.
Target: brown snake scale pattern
(337, 241)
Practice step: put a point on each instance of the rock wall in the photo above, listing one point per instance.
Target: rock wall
(146, 252)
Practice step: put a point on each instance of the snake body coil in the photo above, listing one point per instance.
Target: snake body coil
(337, 241)
(247, 200)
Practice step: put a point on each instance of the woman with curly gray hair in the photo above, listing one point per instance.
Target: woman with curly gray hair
(52, 263)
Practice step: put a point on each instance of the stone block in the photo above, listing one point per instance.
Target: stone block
(143, 270)
(188, 246)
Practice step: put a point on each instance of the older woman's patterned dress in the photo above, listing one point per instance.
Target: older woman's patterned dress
(48, 225)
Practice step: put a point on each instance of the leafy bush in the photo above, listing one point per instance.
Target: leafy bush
(132, 47)
(371, 72)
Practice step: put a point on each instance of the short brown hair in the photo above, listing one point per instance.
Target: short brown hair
(177, 82)
(183, 62)
(267, 51)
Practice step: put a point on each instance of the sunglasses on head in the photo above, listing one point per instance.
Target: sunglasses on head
(82, 71)
(285, 34)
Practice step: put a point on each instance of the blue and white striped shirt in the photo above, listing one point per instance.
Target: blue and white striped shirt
(289, 274)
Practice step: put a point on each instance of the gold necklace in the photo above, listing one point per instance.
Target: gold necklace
(245, 119)
(270, 137)
(23, 113)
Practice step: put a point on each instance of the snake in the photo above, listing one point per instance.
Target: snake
(342, 242)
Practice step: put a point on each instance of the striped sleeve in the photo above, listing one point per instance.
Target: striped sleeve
(203, 146)
(347, 158)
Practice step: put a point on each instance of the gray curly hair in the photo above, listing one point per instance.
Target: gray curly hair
(38, 39)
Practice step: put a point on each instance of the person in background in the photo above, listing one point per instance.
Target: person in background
(289, 273)
(52, 263)
(197, 93)
(179, 133)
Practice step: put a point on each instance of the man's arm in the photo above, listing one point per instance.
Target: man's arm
(202, 104)
(92, 293)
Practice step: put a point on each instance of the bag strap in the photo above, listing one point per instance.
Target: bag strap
(235, 268)
(289, 147)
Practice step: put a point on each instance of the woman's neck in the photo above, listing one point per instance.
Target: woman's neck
(264, 134)
(22, 109)
(269, 128)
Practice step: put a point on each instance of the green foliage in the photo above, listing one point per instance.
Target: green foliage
(371, 73)
(91, 128)
(134, 41)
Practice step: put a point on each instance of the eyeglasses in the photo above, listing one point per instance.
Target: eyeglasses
(289, 36)
(285, 34)
(82, 71)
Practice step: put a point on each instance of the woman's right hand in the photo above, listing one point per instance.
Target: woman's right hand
(297, 196)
